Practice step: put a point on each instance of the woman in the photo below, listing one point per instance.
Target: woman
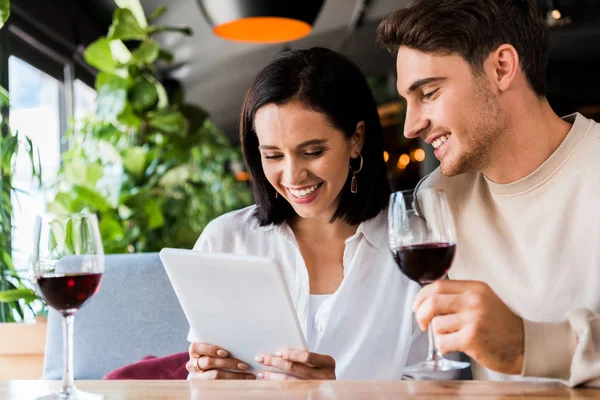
(312, 142)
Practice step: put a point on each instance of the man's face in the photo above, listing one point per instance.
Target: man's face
(449, 107)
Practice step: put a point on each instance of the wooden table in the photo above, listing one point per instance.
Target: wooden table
(305, 390)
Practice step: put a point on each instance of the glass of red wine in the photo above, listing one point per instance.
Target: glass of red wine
(67, 264)
(423, 242)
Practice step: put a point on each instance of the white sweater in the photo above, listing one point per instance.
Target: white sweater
(536, 243)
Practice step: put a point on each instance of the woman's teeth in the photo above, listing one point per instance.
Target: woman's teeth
(304, 192)
(439, 141)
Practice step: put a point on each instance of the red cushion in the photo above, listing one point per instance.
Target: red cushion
(150, 367)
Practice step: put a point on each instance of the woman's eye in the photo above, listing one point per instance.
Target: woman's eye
(313, 153)
(271, 157)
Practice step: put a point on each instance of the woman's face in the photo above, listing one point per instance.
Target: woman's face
(304, 157)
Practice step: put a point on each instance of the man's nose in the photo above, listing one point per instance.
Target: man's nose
(415, 123)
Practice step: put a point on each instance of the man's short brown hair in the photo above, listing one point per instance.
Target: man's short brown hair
(472, 29)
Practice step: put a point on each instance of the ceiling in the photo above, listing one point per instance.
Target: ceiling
(216, 73)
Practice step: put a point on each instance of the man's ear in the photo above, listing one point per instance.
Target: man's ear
(358, 139)
(503, 67)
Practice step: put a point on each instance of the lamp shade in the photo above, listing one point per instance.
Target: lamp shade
(261, 21)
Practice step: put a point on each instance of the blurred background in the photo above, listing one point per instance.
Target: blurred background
(133, 107)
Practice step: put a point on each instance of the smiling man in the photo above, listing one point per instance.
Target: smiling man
(523, 185)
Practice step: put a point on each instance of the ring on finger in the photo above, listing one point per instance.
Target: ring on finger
(197, 365)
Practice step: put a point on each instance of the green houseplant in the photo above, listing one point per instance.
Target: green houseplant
(15, 295)
(154, 168)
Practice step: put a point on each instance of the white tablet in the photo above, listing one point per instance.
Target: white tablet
(239, 303)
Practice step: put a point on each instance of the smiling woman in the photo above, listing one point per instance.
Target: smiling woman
(312, 142)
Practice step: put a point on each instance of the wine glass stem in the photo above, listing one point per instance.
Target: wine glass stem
(67, 384)
(432, 354)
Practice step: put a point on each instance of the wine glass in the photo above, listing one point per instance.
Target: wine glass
(67, 264)
(422, 240)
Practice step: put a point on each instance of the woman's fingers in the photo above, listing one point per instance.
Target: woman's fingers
(198, 349)
(306, 357)
(275, 376)
(205, 363)
(214, 374)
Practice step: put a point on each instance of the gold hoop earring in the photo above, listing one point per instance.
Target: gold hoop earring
(354, 182)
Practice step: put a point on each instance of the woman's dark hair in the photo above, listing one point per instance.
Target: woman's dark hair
(327, 82)
(472, 29)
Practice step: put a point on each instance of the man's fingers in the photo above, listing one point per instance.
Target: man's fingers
(448, 287)
(275, 376)
(198, 349)
(455, 341)
(438, 304)
(306, 357)
(205, 363)
(444, 324)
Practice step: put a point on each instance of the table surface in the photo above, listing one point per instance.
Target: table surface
(309, 390)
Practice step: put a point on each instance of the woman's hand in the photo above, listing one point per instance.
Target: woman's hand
(211, 362)
(297, 364)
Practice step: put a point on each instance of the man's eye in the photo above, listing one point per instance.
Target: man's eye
(429, 95)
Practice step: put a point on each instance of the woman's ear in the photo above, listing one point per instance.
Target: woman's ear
(358, 139)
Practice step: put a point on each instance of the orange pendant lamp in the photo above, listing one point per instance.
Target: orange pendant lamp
(261, 21)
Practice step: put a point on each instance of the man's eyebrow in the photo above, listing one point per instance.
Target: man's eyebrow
(425, 81)
(303, 144)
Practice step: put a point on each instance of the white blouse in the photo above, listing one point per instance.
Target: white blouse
(367, 325)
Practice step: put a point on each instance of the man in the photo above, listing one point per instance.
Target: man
(523, 185)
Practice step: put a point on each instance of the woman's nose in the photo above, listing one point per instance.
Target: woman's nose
(294, 172)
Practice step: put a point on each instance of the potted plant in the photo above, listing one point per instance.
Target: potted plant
(21, 345)
(153, 168)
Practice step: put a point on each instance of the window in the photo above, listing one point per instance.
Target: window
(34, 112)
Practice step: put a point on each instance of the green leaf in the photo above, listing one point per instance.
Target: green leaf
(8, 296)
(169, 122)
(125, 26)
(111, 96)
(157, 13)
(7, 260)
(110, 229)
(175, 177)
(166, 55)
(136, 9)
(4, 11)
(154, 215)
(91, 197)
(163, 99)
(93, 173)
(195, 116)
(120, 52)
(128, 117)
(134, 161)
(99, 55)
(9, 148)
(147, 52)
(4, 101)
(143, 95)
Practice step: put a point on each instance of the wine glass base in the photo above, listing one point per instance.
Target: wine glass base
(75, 394)
(439, 365)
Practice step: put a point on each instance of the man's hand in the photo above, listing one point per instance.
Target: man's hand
(469, 317)
(297, 364)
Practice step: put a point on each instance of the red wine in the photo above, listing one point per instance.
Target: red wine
(66, 293)
(425, 263)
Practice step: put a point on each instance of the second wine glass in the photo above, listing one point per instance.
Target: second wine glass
(423, 242)
(68, 262)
